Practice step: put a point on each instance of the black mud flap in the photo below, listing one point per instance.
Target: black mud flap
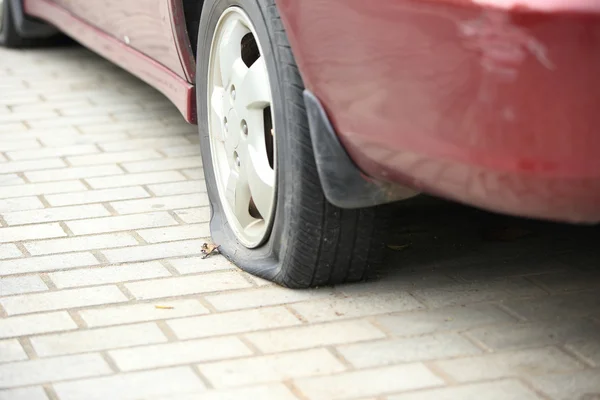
(27, 27)
(344, 184)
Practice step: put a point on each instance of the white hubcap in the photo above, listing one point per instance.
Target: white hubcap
(241, 129)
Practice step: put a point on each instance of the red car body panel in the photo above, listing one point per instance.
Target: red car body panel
(492, 106)
(139, 60)
(492, 103)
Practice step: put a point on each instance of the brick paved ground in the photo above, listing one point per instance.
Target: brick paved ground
(103, 295)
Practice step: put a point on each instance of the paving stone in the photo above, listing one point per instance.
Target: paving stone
(580, 385)
(271, 368)
(501, 390)
(168, 354)
(233, 322)
(159, 310)
(423, 348)
(538, 361)
(368, 382)
(33, 372)
(170, 381)
(89, 340)
(443, 319)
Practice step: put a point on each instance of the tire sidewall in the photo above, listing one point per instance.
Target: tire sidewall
(264, 260)
(6, 20)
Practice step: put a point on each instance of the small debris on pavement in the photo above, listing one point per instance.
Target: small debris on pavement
(209, 249)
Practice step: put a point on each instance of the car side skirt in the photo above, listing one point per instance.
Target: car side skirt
(177, 89)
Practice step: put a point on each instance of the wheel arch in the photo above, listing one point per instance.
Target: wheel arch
(192, 10)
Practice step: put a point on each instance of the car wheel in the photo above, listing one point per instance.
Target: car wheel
(269, 214)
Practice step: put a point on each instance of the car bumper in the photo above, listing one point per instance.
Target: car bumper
(482, 102)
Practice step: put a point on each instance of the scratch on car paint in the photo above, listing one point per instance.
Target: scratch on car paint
(503, 45)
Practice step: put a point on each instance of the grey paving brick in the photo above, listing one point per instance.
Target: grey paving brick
(33, 372)
(31, 165)
(145, 143)
(116, 181)
(11, 179)
(370, 382)
(194, 215)
(73, 173)
(268, 296)
(272, 391)
(155, 251)
(96, 196)
(89, 340)
(34, 324)
(334, 308)
(41, 231)
(580, 385)
(21, 284)
(11, 350)
(178, 353)
(55, 214)
(30, 303)
(121, 223)
(49, 152)
(116, 157)
(232, 322)
(464, 293)
(179, 286)
(40, 188)
(169, 234)
(135, 385)
(423, 348)
(47, 263)
(538, 361)
(193, 173)
(20, 203)
(304, 337)
(9, 250)
(161, 165)
(443, 319)
(557, 307)
(571, 280)
(194, 265)
(182, 151)
(30, 393)
(587, 349)
(160, 203)
(535, 334)
(81, 243)
(123, 314)
(111, 274)
(172, 189)
(500, 390)
(271, 368)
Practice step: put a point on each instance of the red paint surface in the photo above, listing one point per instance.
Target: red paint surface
(147, 23)
(172, 85)
(499, 108)
(493, 103)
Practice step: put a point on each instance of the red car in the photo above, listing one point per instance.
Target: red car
(313, 114)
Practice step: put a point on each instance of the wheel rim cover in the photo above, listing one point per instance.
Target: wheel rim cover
(241, 131)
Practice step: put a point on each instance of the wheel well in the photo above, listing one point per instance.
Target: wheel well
(192, 10)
